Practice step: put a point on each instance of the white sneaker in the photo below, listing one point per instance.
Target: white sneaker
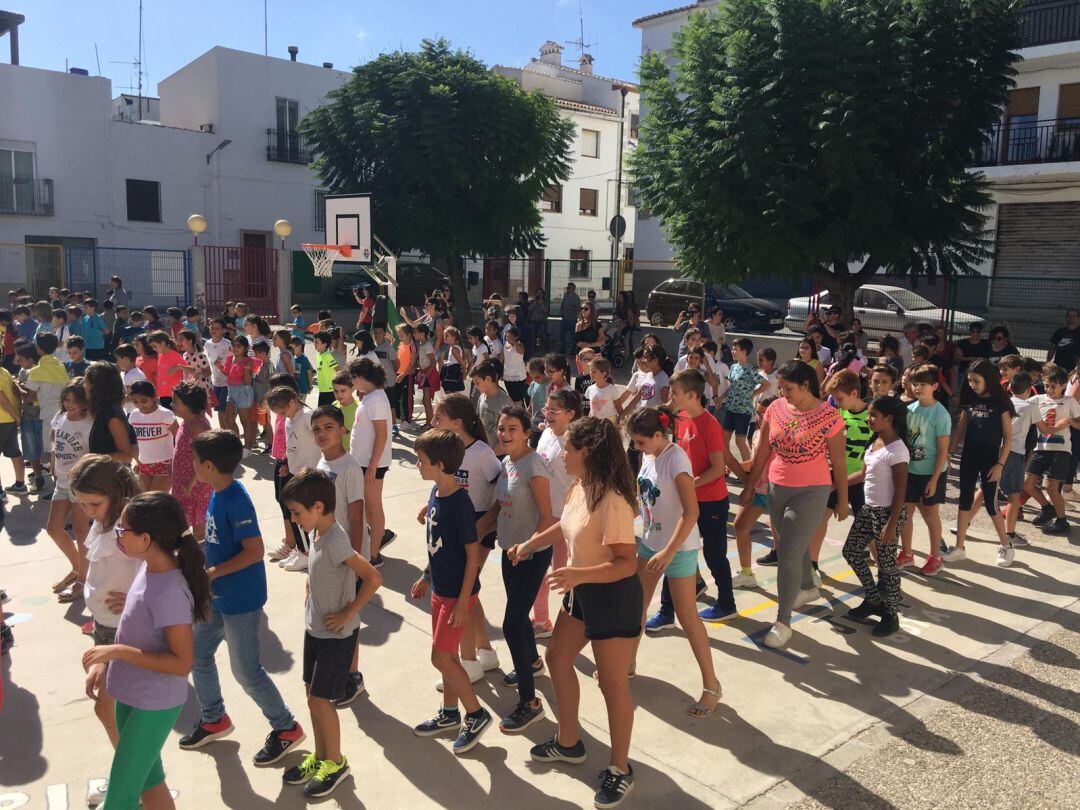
(741, 580)
(472, 668)
(297, 562)
(489, 659)
(1005, 556)
(954, 554)
(288, 558)
(95, 796)
(815, 574)
(778, 636)
(806, 597)
(280, 553)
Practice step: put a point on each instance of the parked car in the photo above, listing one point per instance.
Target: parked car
(742, 311)
(415, 280)
(882, 309)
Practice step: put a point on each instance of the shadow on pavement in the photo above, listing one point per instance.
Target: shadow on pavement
(21, 760)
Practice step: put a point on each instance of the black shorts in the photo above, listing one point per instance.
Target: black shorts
(855, 498)
(608, 609)
(380, 472)
(916, 486)
(1054, 464)
(736, 423)
(326, 398)
(516, 389)
(9, 440)
(488, 540)
(326, 664)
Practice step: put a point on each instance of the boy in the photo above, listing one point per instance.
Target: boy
(1011, 483)
(744, 384)
(929, 426)
(234, 563)
(328, 428)
(485, 379)
(62, 333)
(76, 363)
(721, 371)
(74, 319)
(25, 326)
(454, 563)
(93, 331)
(537, 396)
(26, 356)
(120, 322)
(346, 403)
(54, 297)
(47, 380)
(1053, 414)
(300, 452)
(7, 329)
(326, 367)
(192, 321)
(883, 381)
(340, 582)
(126, 355)
(299, 322)
(700, 435)
(766, 361)
(136, 325)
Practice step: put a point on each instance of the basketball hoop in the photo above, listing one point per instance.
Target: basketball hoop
(323, 257)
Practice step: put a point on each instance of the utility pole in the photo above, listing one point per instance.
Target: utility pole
(618, 190)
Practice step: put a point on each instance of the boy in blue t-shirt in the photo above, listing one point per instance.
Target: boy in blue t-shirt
(744, 384)
(93, 331)
(234, 561)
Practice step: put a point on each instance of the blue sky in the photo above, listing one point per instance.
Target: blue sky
(506, 32)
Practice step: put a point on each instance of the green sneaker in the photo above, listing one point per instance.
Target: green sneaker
(327, 777)
(304, 772)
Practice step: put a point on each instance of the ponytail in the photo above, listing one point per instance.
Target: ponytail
(650, 421)
(460, 407)
(193, 566)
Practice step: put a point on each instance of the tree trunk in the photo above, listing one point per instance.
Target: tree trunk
(455, 269)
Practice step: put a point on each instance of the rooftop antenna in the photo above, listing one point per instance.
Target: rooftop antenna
(138, 64)
(582, 44)
(97, 58)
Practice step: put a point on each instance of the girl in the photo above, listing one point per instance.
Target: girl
(406, 355)
(603, 603)
(562, 408)
(238, 370)
(170, 366)
(110, 433)
(480, 350)
(879, 521)
(806, 354)
(985, 427)
(282, 475)
(71, 438)
(369, 442)
(427, 374)
(241, 313)
(153, 320)
(514, 372)
(173, 317)
(102, 488)
(849, 359)
(522, 509)
(260, 387)
(670, 541)
(558, 370)
(256, 328)
(748, 516)
(146, 361)
(494, 342)
(452, 364)
(155, 427)
(802, 440)
(146, 670)
(197, 363)
(364, 346)
(189, 405)
(305, 375)
(601, 394)
(890, 353)
(284, 364)
(229, 313)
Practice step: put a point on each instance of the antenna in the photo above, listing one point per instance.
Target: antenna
(137, 62)
(98, 59)
(582, 44)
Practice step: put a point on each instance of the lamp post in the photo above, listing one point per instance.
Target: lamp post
(196, 223)
(283, 228)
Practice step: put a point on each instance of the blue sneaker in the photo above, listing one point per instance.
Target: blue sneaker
(717, 613)
(658, 621)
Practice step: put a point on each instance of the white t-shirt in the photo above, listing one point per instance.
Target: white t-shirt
(601, 400)
(71, 441)
(300, 448)
(513, 365)
(348, 488)
(721, 370)
(651, 386)
(214, 352)
(479, 352)
(661, 506)
(153, 433)
(133, 374)
(773, 387)
(479, 471)
(374, 407)
(824, 356)
(62, 332)
(110, 570)
(550, 449)
(426, 355)
(495, 346)
(1052, 410)
(1021, 424)
(878, 486)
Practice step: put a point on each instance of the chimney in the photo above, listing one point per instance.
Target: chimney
(328, 65)
(551, 53)
(586, 63)
(293, 51)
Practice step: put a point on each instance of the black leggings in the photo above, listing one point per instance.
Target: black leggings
(868, 526)
(404, 404)
(299, 538)
(522, 583)
(976, 466)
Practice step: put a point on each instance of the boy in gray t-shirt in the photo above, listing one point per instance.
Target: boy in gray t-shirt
(518, 515)
(485, 379)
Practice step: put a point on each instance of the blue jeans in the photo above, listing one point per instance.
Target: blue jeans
(240, 632)
(712, 523)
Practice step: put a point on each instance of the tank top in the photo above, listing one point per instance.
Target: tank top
(101, 438)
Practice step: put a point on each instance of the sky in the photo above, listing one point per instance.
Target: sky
(506, 32)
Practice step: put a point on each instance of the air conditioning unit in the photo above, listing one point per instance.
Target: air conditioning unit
(206, 127)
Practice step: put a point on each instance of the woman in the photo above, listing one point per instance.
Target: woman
(857, 336)
(366, 300)
(806, 354)
(802, 438)
(1000, 344)
(715, 324)
(689, 319)
(603, 602)
(588, 332)
(627, 311)
(111, 434)
(435, 322)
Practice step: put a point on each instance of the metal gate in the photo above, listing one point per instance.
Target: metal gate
(152, 276)
(241, 274)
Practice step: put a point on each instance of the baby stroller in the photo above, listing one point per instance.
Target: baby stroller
(614, 349)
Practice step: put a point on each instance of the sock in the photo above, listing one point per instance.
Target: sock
(746, 571)
(477, 713)
(449, 710)
(617, 771)
(814, 564)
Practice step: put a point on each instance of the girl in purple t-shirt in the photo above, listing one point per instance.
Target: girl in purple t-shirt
(146, 670)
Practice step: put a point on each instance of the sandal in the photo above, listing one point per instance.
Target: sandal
(699, 709)
(65, 583)
(70, 594)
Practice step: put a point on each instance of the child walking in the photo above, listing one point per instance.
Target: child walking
(748, 515)
(427, 375)
(155, 427)
(239, 369)
(453, 362)
(189, 404)
(326, 367)
(1056, 412)
(301, 451)
(369, 443)
(71, 440)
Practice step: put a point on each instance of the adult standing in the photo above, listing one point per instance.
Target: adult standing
(538, 319)
(588, 331)
(689, 318)
(715, 324)
(802, 439)
(432, 318)
(569, 310)
(117, 294)
(366, 300)
(907, 341)
(1065, 342)
(834, 328)
(975, 347)
(1000, 344)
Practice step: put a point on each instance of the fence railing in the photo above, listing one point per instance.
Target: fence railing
(26, 197)
(161, 278)
(287, 146)
(1051, 141)
(246, 274)
(1043, 22)
(35, 267)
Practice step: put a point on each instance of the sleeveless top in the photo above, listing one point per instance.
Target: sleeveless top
(101, 438)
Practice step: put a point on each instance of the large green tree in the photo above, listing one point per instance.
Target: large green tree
(456, 157)
(826, 138)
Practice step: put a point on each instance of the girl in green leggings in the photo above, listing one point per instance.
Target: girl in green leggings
(146, 670)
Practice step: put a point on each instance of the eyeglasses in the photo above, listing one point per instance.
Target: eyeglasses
(120, 531)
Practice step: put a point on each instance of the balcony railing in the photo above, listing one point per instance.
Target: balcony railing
(1045, 21)
(26, 197)
(287, 146)
(1052, 141)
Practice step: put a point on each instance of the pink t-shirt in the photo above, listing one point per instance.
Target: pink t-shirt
(800, 455)
(277, 446)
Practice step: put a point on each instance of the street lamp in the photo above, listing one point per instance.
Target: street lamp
(283, 228)
(196, 223)
(217, 148)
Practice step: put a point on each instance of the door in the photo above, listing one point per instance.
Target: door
(1021, 141)
(536, 271)
(255, 239)
(496, 277)
(287, 120)
(1066, 144)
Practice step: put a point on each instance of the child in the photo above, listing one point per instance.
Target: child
(103, 487)
(340, 583)
(384, 351)
(929, 426)
(721, 371)
(537, 393)
(196, 364)
(301, 451)
(557, 370)
(234, 550)
(155, 427)
(326, 368)
(76, 363)
(369, 442)
(601, 394)
(583, 379)
(345, 402)
(880, 519)
(883, 381)
(328, 428)
(71, 438)
(242, 313)
(146, 670)
(146, 361)
(485, 379)
(1055, 413)
(93, 331)
(298, 323)
(189, 405)
(26, 356)
(10, 408)
(61, 332)
(305, 376)
(260, 387)
(766, 360)
(427, 375)
(406, 370)
(648, 387)
(1011, 483)
(293, 536)
(514, 370)
(454, 564)
(494, 343)
(745, 384)
(7, 329)
(480, 350)
(450, 366)
(217, 348)
(748, 516)
(47, 380)
(239, 370)
(25, 326)
(170, 365)
(670, 534)
(192, 321)
(136, 326)
(126, 356)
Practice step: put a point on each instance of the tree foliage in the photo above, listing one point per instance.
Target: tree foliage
(826, 137)
(456, 157)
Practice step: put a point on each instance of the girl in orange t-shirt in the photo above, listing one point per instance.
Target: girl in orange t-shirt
(170, 366)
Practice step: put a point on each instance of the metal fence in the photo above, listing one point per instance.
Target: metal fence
(241, 274)
(158, 277)
(35, 267)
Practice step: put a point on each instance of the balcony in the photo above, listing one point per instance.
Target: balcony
(1043, 22)
(1056, 140)
(287, 146)
(26, 197)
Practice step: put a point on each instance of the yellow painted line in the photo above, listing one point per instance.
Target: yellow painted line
(767, 603)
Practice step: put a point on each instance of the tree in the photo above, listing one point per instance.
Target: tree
(456, 157)
(826, 138)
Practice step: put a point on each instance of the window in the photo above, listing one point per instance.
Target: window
(143, 201)
(16, 181)
(320, 209)
(551, 202)
(579, 264)
(590, 143)
(288, 114)
(588, 201)
(635, 121)
(871, 299)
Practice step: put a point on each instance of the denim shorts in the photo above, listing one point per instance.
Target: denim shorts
(761, 500)
(241, 396)
(683, 564)
(31, 439)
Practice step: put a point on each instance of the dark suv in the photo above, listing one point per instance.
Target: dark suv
(742, 311)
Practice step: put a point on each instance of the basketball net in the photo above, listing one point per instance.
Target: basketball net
(323, 257)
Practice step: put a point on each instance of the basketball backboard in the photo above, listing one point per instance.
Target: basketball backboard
(348, 222)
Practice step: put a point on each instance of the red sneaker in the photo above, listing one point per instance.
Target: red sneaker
(88, 628)
(204, 733)
(933, 565)
(905, 559)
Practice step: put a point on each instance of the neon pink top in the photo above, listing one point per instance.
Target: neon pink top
(277, 446)
(800, 455)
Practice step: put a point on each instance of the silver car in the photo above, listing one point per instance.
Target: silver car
(882, 309)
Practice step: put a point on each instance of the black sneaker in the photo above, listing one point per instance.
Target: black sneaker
(205, 733)
(1045, 515)
(523, 716)
(510, 678)
(1059, 526)
(943, 547)
(867, 609)
(889, 624)
(768, 559)
(1017, 539)
(36, 486)
(278, 744)
(388, 537)
(614, 787)
(551, 751)
(353, 689)
(377, 561)
(327, 777)
(303, 773)
(18, 488)
(443, 721)
(471, 731)
(7, 639)
(702, 588)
